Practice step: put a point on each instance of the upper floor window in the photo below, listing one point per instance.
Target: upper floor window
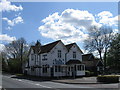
(35, 58)
(74, 54)
(32, 57)
(44, 57)
(59, 53)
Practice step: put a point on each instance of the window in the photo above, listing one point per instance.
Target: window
(32, 57)
(68, 68)
(83, 67)
(44, 57)
(59, 53)
(57, 69)
(32, 68)
(39, 58)
(74, 54)
(79, 67)
(53, 61)
(44, 69)
(35, 58)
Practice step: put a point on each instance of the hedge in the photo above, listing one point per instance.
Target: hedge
(89, 73)
(108, 78)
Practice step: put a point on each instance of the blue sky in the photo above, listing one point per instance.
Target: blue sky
(33, 14)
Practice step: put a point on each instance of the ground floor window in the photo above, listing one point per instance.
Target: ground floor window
(44, 69)
(69, 69)
(80, 67)
(32, 69)
(58, 69)
(99, 68)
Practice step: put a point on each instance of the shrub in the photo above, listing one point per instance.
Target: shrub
(89, 73)
(108, 78)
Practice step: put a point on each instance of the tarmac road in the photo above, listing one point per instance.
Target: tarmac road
(9, 83)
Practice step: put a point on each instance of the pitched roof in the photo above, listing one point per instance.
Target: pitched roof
(89, 60)
(99, 63)
(73, 62)
(46, 48)
(87, 57)
(69, 46)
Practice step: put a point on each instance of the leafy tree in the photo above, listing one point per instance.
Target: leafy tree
(113, 56)
(14, 65)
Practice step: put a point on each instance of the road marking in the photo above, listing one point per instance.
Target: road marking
(32, 83)
(42, 86)
(19, 80)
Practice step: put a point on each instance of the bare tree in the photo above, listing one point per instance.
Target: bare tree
(99, 40)
(17, 49)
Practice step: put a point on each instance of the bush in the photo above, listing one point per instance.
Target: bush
(14, 65)
(89, 73)
(108, 78)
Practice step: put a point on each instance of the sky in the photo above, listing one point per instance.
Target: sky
(51, 21)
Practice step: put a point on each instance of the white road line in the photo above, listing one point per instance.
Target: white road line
(42, 86)
(33, 83)
(19, 80)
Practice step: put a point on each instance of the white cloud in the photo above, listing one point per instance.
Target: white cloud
(107, 18)
(105, 14)
(115, 30)
(72, 25)
(77, 18)
(8, 28)
(7, 6)
(6, 38)
(2, 47)
(69, 26)
(13, 22)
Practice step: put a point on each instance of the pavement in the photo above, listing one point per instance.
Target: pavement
(83, 80)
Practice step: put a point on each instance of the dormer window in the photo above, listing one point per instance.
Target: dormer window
(59, 53)
(74, 55)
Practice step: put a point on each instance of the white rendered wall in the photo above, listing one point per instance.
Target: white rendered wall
(78, 53)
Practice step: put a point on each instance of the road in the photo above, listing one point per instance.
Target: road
(15, 83)
(8, 82)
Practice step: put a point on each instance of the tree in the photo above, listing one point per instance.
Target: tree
(99, 40)
(17, 50)
(113, 56)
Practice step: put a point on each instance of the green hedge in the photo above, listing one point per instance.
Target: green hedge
(89, 73)
(108, 78)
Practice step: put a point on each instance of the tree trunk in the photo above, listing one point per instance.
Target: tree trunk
(21, 56)
(100, 55)
(105, 60)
